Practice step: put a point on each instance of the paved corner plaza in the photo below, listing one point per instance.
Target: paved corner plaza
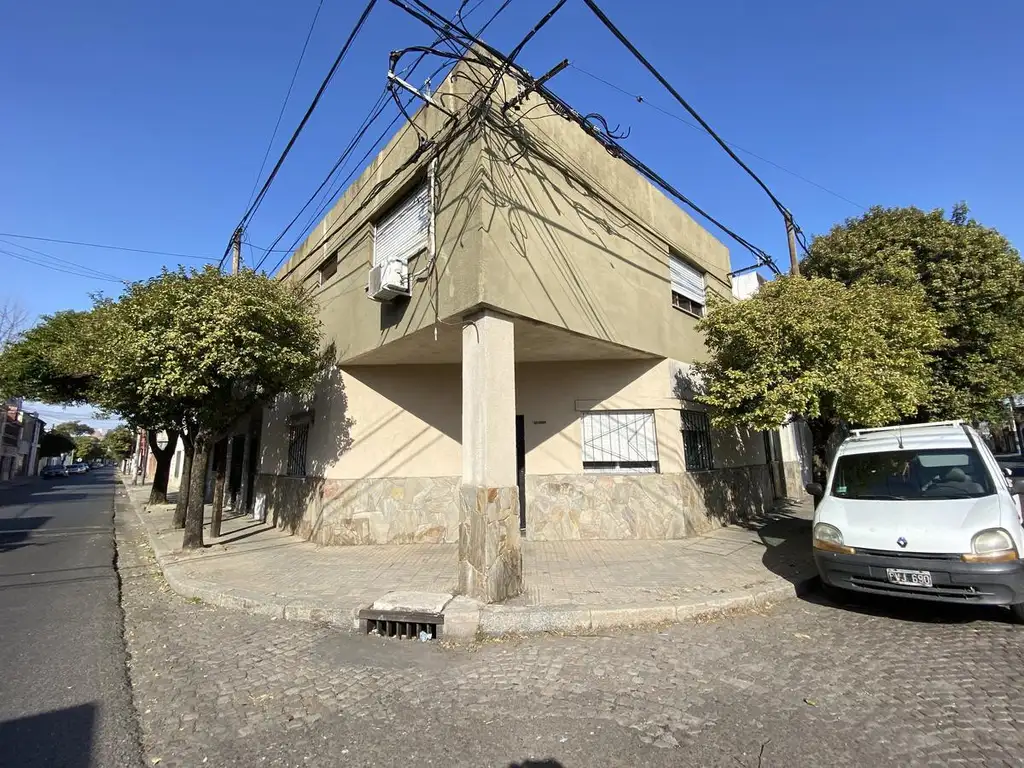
(792, 681)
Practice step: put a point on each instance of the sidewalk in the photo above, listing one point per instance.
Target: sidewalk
(572, 586)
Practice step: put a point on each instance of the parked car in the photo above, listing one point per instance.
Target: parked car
(51, 471)
(78, 468)
(922, 511)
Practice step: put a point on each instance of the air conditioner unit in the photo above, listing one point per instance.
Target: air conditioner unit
(388, 281)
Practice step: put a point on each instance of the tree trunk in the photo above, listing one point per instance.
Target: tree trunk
(186, 482)
(158, 493)
(197, 493)
(220, 451)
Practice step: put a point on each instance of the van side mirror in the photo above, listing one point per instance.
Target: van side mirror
(1017, 485)
(815, 489)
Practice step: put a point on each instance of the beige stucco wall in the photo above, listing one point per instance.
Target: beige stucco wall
(375, 421)
(353, 322)
(538, 221)
(576, 238)
(406, 421)
(385, 459)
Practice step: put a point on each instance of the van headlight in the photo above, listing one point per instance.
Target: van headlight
(994, 545)
(830, 539)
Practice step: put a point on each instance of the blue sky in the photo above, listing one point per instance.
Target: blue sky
(143, 124)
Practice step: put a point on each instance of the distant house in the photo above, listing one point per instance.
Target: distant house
(20, 433)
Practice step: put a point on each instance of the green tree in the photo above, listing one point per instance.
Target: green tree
(59, 361)
(118, 443)
(972, 278)
(210, 347)
(74, 428)
(51, 361)
(54, 444)
(87, 448)
(817, 349)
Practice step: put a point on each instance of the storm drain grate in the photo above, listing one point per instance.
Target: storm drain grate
(404, 626)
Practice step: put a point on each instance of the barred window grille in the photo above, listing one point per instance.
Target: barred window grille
(697, 441)
(619, 442)
(298, 440)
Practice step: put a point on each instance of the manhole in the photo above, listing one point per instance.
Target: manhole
(401, 625)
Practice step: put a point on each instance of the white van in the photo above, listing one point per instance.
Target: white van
(921, 511)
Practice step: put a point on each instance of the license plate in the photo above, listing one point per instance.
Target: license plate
(911, 578)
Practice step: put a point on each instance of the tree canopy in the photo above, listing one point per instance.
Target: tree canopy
(88, 448)
(52, 361)
(74, 428)
(972, 278)
(118, 442)
(55, 444)
(818, 349)
(204, 347)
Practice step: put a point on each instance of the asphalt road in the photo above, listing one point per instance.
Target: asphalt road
(64, 694)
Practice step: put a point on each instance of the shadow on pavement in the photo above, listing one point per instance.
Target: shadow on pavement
(786, 535)
(537, 764)
(14, 532)
(908, 610)
(62, 738)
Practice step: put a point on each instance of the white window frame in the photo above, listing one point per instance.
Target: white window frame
(689, 286)
(415, 205)
(619, 442)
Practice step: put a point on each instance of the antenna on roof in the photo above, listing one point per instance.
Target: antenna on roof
(899, 436)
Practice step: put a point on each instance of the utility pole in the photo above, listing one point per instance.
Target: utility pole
(236, 251)
(794, 263)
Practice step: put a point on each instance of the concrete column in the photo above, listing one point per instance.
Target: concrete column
(490, 559)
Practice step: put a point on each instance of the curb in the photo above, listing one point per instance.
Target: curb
(464, 619)
(236, 599)
(496, 621)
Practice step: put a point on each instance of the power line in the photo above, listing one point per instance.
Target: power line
(367, 122)
(107, 247)
(693, 113)
(287, 96)
(375, 111)
(567, 111)
(73, 264)
(254, 206)
(641, 100)
(55, 268)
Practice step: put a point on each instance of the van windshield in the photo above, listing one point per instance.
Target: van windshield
(944, 473)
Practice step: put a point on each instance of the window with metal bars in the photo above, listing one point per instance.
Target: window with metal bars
(619, 442)
(298, 440)
(697, 441)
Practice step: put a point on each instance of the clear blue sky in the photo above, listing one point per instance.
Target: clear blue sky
(143, 123)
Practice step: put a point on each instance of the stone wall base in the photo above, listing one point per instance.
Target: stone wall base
(559, 507)
(490, 556)
(399, 510)
(643, 506)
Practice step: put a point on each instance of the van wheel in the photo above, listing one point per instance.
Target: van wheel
(1017, 612)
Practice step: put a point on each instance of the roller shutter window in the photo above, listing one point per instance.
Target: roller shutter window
(404, 230)
(688, 286)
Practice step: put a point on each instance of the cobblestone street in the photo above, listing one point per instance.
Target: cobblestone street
(804, 683)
